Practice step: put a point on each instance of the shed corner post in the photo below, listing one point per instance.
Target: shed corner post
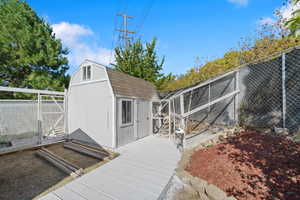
(115, 122)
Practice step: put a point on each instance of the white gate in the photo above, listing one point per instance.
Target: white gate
(53, 115)
(29, 117)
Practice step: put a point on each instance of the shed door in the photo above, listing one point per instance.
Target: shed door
(143, 118)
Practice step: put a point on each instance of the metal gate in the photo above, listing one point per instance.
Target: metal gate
(29, 117)
(53, 116)
(191, 111)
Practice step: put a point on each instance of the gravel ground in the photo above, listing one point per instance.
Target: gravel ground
(251, 166)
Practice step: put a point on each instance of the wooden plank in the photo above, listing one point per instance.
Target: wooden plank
(101, 150)
(57, 164)
(72, 166)
(50, 196)
(30, 148)
(79, 149)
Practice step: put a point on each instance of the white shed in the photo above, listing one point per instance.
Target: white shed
(109, 107)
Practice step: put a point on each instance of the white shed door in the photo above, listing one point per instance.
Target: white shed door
(143, 118)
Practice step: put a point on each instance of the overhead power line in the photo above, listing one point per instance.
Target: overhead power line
(146, 12)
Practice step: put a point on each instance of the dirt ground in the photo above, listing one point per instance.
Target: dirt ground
(78, 159)
(24, 176)
(251, 166)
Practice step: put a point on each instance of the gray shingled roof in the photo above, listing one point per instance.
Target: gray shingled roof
(130, 86)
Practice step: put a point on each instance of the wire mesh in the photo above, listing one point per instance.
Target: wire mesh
(53, 118)
(195, 98)
(261, 95)
(19, 118)
(220, 113)
(261, 102)
(18, 121)
(292, 85)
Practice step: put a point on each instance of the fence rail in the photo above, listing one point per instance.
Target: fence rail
(265, 94)
(37, 117)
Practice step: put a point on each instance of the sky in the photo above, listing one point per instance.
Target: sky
(184, 29)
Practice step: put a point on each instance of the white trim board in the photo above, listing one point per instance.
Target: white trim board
(32, 91)
(210, 104)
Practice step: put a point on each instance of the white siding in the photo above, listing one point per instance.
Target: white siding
(98, 73)
(90, 106)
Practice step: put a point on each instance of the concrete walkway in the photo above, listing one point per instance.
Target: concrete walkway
(141, 172)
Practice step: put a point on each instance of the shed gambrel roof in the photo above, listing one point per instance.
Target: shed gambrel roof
(130, 86)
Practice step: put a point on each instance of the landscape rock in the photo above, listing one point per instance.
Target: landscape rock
(215, 193)
(188, 192)
(198, 185)
(281, 131)
(203, 196)
(230, 198)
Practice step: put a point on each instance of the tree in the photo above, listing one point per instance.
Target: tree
(141, 61)
(29, 50)
(294, 23)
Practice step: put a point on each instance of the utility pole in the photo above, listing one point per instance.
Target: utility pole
(124, 32)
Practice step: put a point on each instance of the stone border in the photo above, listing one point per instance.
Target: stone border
(194, 187)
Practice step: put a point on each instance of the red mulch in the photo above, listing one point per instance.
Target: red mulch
(251, 166)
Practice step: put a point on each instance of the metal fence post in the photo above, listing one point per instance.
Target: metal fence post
(169, 102)
(283, 67)
(39, 128)
(236, 98)
(209, 93)
(66, 131)
(182, 119)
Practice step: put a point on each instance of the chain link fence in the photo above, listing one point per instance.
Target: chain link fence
(220, 113)
(292, 84)
(262, 94)
(31, 118)
(18, 121)
(270, 93)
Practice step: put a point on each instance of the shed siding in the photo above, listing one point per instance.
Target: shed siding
(90, 107)
(76, 77)
(98, 73)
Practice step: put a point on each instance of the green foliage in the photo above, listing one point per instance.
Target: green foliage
(294, 23)
(262, 47)
(141, 61)
(29, 54)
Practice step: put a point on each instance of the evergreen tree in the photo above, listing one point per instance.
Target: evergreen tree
(141, 61)
(29, 51)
